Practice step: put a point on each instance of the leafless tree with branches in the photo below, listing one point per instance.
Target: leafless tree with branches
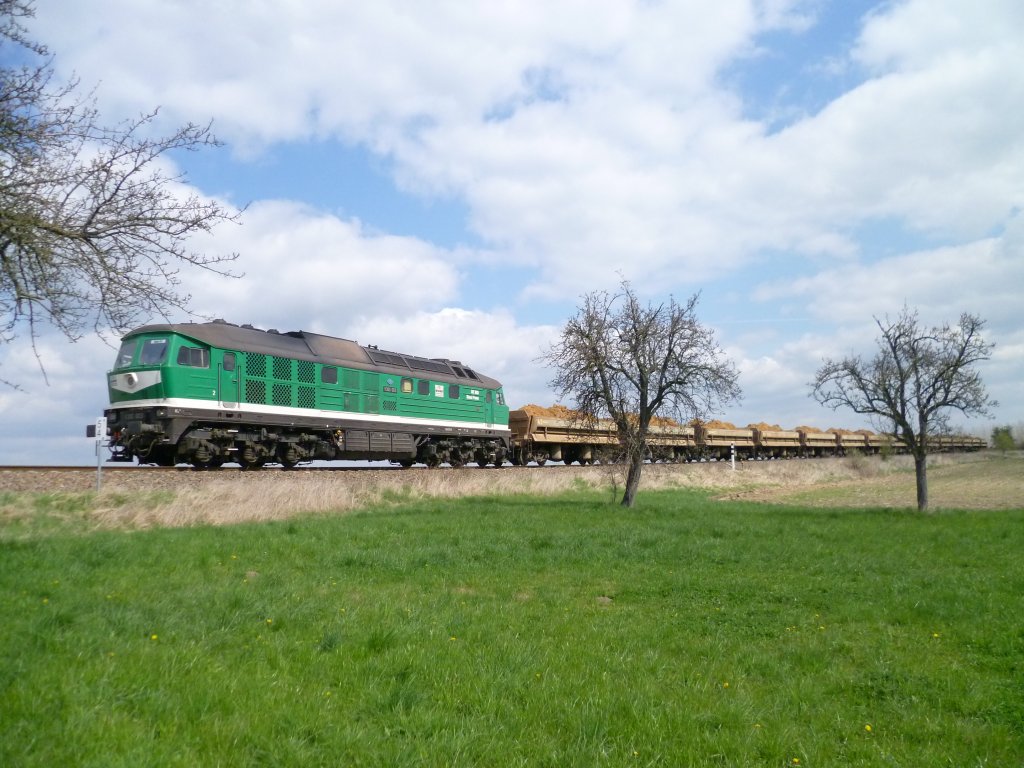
(910, 388)
(628, 362)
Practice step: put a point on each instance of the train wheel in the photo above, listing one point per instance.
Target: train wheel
(247, 458)
(287, 456)
(204, 458)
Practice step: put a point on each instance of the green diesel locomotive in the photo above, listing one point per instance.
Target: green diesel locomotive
(213, 393)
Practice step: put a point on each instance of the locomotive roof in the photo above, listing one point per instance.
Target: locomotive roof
(328, 350)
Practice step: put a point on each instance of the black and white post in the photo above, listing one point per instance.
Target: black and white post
(99, 431)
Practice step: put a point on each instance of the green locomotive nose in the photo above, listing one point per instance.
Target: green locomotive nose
(138, 369)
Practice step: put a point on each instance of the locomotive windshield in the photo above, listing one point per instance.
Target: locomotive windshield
(125, 354)
(153, 352)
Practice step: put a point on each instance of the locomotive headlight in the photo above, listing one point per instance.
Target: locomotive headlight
(132, 379)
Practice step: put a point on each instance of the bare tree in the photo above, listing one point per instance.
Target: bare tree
(619, 359)
(93, 230)
(911, 387)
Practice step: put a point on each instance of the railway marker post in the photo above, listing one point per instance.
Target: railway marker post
(732, 455)
(99, 431)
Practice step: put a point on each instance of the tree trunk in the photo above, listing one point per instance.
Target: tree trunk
(921, 471)
(636, 465)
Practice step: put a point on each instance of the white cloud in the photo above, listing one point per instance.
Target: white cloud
(44, 422)
(311, 269)
(592, 138)
(982, 277)
(918, 34)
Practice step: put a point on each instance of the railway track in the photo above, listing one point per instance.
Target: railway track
(152, 468)
(44, 479)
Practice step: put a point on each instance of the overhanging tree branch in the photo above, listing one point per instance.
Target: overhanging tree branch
(93, 229)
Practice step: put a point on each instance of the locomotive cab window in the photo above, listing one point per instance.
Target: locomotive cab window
(453, 391)
(154, 352)
(423, 387)
(406, 386)
(126, 354)
(329, 375)
(194, 357)
(229, 361)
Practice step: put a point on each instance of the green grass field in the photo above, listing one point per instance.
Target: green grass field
(520, 631)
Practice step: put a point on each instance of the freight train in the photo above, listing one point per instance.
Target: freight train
(212, 393)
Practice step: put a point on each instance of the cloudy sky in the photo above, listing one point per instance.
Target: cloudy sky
(448, 178)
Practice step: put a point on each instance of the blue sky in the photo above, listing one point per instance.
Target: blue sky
(448, 179)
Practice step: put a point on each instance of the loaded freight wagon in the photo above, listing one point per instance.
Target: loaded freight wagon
(774, 442)
(541, 437)
(212, 393)
(816, 443)
(950, 443)
(558, 434)
(719, 441)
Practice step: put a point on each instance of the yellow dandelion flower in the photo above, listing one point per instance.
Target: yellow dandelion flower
(154, 637)
(868, 727)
